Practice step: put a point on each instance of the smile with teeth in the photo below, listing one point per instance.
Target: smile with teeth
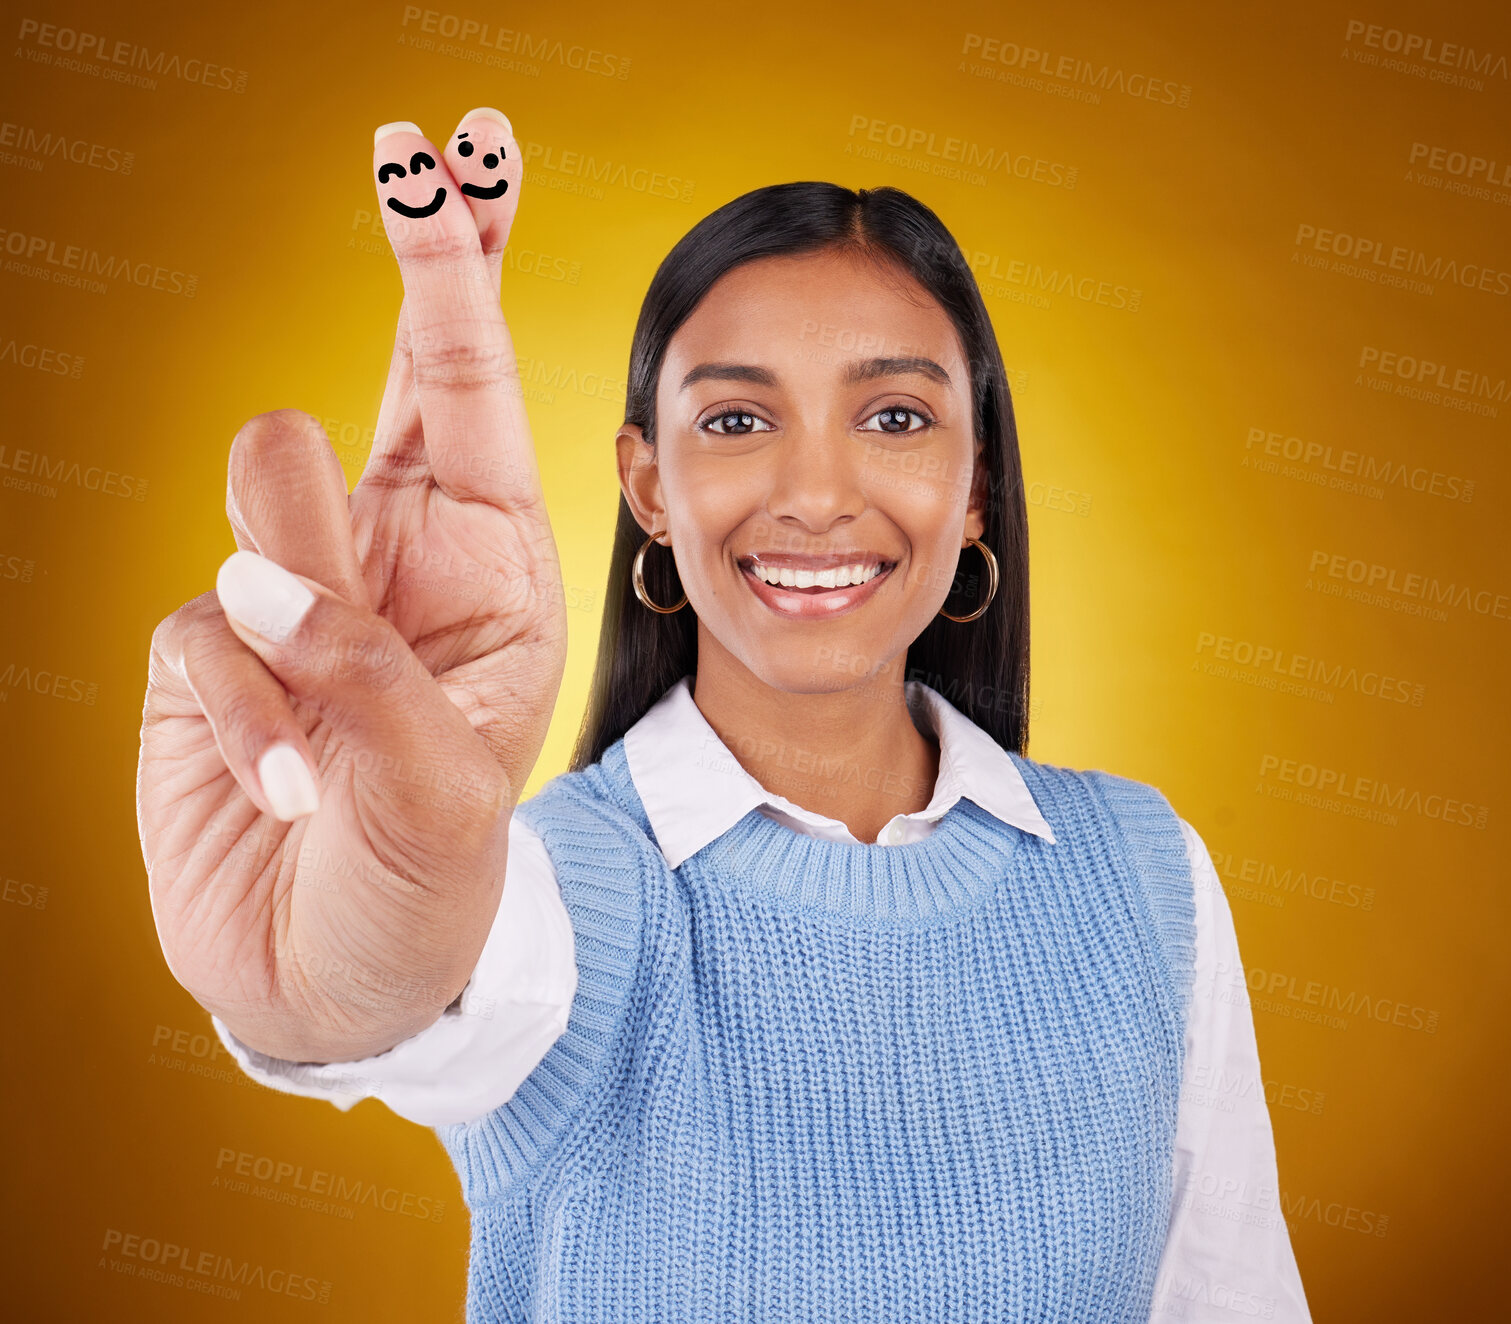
(812, 580)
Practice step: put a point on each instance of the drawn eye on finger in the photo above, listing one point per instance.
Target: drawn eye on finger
(418, 164)
(492, 160)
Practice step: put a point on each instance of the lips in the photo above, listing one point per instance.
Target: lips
(417, 213)
(802, 596)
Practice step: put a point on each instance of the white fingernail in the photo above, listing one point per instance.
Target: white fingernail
(487, 112)
(287, 783)
(398, 126)
(262, 595)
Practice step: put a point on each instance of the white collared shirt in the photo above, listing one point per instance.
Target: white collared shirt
(1228, 1248)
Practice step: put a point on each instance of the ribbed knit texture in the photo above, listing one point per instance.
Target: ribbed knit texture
(814, 1080)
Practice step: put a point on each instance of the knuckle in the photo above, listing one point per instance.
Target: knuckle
(360, 650)
(239, 714)
(199, 642)
(164, 647)
(461, 355)
(272, 450)
(168, 638)
(273, 437)
(438, 251)
(275, 430)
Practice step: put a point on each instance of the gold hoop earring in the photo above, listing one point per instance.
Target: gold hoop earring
(637, 577)
(991, 574)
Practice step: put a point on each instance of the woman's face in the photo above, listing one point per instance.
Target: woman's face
(813, 427)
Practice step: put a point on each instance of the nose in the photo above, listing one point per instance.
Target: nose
(816, 480)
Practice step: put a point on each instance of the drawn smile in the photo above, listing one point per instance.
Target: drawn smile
(416, 213)
(475, 191)
(395, 170)
(490, 161)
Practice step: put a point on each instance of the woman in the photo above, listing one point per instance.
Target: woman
(809, 994)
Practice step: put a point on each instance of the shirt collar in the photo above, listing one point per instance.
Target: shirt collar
(695, 790)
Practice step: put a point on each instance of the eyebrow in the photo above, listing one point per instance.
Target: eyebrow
(859, 370)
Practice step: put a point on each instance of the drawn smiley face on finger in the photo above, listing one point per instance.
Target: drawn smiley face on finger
(395, 170)
(490, 161)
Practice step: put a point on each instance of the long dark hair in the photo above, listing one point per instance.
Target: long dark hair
(981, 666)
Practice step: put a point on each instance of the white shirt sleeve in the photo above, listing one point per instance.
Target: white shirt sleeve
(1228, 1253)
(474, 1057)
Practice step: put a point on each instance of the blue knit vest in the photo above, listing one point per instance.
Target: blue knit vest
(814, 1080)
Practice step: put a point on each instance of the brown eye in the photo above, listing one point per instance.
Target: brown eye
(895, 418)
(737, 423)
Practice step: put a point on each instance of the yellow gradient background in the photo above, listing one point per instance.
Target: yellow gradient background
(1159, 529)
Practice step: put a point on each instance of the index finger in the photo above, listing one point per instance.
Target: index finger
(477, 434)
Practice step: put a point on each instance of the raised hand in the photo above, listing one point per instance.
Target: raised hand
(333, 740)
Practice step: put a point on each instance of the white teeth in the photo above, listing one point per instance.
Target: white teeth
(835, 577)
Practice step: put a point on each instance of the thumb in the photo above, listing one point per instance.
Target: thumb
(359, 673)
